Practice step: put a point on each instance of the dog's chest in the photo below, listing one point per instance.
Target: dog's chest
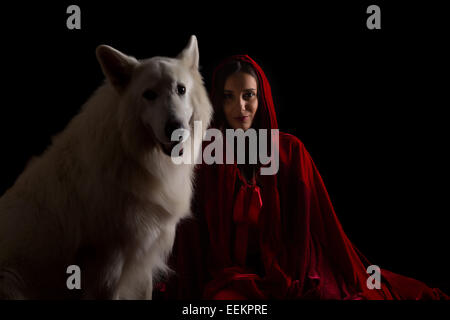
(176, 193)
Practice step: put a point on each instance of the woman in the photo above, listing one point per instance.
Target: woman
(255, 236)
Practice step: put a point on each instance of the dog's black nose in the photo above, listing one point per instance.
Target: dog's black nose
(171, 126)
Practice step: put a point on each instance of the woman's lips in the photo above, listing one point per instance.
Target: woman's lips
(242, 119)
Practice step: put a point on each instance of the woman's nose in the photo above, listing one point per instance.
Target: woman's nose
(242, 104)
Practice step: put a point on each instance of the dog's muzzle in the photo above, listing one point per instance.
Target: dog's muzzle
(171, 126)
(168, 147)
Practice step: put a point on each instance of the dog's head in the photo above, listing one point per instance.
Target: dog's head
(161, 92)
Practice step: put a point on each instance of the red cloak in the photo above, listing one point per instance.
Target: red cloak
(284, 223)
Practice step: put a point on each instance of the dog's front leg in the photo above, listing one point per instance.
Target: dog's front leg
(100, 272)
(149, 289)
(136, 281)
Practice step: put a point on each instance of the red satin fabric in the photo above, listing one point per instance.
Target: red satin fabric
(288, 218)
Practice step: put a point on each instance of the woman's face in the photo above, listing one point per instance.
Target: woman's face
(240, 100)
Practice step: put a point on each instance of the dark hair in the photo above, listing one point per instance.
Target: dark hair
(221, 77)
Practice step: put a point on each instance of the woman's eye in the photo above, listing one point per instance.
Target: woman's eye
(150, 95)
(227, 95)
(181, 89)
(249, 95)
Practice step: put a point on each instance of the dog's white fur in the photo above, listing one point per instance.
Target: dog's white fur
(104, 196)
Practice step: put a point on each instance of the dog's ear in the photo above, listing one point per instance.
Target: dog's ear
(190, 55)
(117, 67)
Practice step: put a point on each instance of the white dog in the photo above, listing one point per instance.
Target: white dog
(106, 196)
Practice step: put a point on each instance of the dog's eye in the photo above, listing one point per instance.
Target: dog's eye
(150, 95)
(181, 89)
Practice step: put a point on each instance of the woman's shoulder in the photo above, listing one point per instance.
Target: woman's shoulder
(293, 153)
(290, 141)
(289, 137)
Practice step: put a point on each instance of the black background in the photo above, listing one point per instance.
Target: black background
(368, 104)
